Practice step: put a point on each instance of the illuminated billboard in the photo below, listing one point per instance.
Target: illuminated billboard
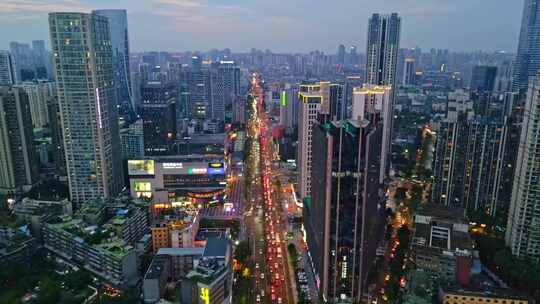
(204, 195)
(141, 167)
(173, 165)
(216, 171)
(215, 165)
(143, 189)
(283, 98)
(205, 295)
(197, 170)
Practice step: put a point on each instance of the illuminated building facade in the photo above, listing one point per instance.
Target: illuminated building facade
(451, 149)
(178, 180)
(81, 44)
(473, 159)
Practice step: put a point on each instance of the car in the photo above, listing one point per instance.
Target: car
(258, 298)
(256, 265)
(262, 276)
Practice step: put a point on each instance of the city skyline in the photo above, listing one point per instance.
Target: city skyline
(476, 25)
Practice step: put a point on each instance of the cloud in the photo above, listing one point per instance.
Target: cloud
(194, 16)
(21, 10)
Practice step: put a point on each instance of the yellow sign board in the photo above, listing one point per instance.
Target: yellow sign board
(205, 295)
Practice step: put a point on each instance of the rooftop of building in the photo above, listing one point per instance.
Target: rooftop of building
(207, 270)
(97, 237)
(206, 138)
(372, 89)
(115, 247)
(188, 251)
(101, 234)
(443, 220)
(9, 221)
(442, 212)
(159, 262)
(175, 217)
(216, 247)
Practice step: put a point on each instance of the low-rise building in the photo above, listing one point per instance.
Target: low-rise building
(199, 273)
(441, 244)
(101, 238)
(37, 212)
(210, 281)
(94, 248)
(16, 243)
(174, 229)
(462, 296)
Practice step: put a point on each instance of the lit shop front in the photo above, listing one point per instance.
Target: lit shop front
(179, 182)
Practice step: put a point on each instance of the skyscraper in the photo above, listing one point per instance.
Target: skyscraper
(18, 161)
(527, 62)
(310, 102)
(372, 103)
(381, 68)
(158, 113)
(81, 45)
(39, 92)
(409, 71)
(225, 88)
(118, 24)
(289, 107)
(132, 138)
(345, 216)
(483, 78)
(451, 150)
(341, 54)
(7, 69)
(382, 49)
(57, 136)
(41, 60)
(523, 228)
(22, 56)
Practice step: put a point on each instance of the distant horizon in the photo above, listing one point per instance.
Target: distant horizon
(247, 51)
(176, 25)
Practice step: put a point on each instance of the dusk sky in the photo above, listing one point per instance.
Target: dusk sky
(282, 25)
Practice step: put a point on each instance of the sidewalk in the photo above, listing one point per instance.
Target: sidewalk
(292, 277)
